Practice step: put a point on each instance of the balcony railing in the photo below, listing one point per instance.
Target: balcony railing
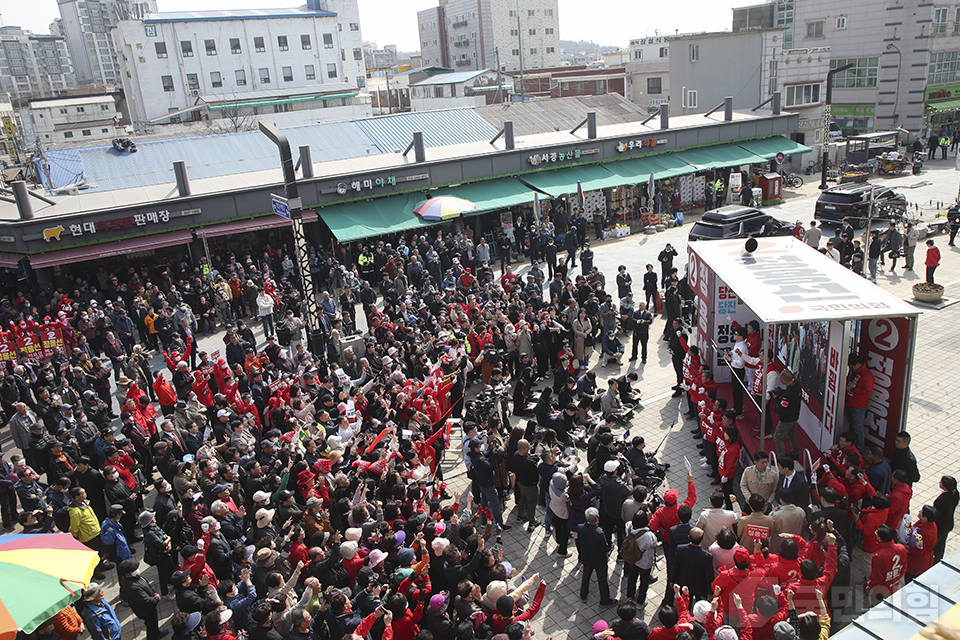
(464, 63)
(461, 43)
(938, 28)
(459, 25)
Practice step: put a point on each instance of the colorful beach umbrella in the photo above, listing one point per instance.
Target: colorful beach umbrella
(41, 574)
(443, 208)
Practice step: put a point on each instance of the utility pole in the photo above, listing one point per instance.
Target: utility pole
(496, 57)
(314, 331)
(827, 119)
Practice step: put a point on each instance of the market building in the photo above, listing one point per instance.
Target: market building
(352, 195)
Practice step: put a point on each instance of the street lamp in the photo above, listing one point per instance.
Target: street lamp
(314, 327)
(827, 119)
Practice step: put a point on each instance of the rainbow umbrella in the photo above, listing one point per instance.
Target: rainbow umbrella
(41, 574)
(443, 208)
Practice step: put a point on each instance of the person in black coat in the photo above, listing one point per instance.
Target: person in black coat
(188, 595)
(592, 545)
(141, 597)
(218, 553)
(946, 505)
(903, 458)
(693, 567)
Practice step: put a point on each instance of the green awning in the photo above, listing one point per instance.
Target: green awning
(492, 194)
(562, 181)
(719, 157)
(769, 147)
(638, 170)
(357, 220)
(944, 105)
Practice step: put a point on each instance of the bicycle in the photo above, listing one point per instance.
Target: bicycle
(792, 180)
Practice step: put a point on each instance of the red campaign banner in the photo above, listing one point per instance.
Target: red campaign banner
(883, 345)
(8, 347)
(758, 532)
(29, 346)
(277, 385)
(50, 337)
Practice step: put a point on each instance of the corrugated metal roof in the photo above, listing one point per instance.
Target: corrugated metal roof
(64, 165)
(248, 96)
(440, 128)
(235, 14)
(216, 155)
(450, 78)
(542, 116)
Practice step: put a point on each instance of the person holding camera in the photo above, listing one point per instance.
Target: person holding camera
(483, 475)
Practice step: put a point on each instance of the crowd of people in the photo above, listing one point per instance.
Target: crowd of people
(290, 485)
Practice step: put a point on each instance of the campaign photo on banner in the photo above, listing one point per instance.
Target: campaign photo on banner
(802, 347)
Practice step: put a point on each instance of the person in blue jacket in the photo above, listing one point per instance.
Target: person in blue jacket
(98, 616)
(114, 539)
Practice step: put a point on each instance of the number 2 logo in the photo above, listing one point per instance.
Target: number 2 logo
(884, 334)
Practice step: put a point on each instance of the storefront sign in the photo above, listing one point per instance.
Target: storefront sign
(368, 183)
(942, 92)
(655, 40)
(642, 143)
(113, 224)
(853, 110)
(884, 343)
(553, 156)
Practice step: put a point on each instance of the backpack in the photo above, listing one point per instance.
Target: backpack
(630, 551)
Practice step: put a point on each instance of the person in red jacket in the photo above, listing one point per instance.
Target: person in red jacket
(899, 496)
(921, 542)
(742, 580)
(888, 565)
(166, 395)
(932, 261)
(666, 516)
(839, 454)
(505, 609)
(730, 457)
(859, 388)
(805, 590)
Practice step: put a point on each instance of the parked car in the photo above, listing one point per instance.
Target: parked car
(853, 201)
(735, 221)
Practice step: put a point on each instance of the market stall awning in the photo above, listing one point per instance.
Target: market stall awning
(563, 181)
(719, 157)
(944, 105)
(10, 260)
(638, 170)
(356, 220)
(493, 194)
(785, 280)
(769, 147)
(252, 224)
(111, 249)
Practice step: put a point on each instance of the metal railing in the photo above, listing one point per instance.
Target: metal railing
(458, 25)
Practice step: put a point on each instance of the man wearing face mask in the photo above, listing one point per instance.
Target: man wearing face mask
(218, 551)
(119, 494)
(143, 600)
(114, 539)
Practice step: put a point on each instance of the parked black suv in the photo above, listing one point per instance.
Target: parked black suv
(853, 201)
(734, 221)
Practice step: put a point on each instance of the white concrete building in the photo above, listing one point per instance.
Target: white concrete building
(479, 34)
(460, 89)
(33, 66)
(648, 71)
(169, 60)
(86, 25)
(80, 119)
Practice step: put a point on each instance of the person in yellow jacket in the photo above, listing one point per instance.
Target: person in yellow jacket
(84, 525)
(153, 335)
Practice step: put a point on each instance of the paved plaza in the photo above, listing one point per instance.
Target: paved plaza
(933, 408)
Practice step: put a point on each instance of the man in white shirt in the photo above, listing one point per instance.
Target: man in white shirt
(812, 235)
(265, 308)
(716, 518)
(832, 253)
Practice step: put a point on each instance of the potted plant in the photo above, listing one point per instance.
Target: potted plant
(928, 292)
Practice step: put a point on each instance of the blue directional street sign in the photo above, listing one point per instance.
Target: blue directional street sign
(280, 207)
